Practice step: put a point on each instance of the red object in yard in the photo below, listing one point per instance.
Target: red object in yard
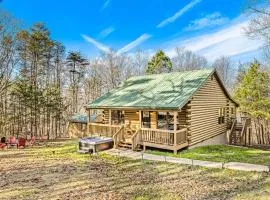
(2, 145)
(21, 142)
(42, 139)
(33, 140)
(12, 141)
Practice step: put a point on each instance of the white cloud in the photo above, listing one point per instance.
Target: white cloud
(106, 4)
(230, 41)
(97, 44)
(210, 20)
(178, 14)
(134, 43)
(125, 49)
(106, 32)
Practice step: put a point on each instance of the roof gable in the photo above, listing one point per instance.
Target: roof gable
(159, 91)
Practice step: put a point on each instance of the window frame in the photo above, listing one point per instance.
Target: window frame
(221, 115)
(146, 115)
(117, 117)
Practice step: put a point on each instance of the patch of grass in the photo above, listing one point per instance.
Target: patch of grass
(66, 150)
(57, 171)
(263, 193)
(222, 153)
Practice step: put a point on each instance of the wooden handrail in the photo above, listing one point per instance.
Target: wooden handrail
(243, 131)
(136, 139)
(103, 129)
(232, 130)
(117, 136)
(165, 137)
(181, 130)
(181, 138)
(107, 125)
(159, 130)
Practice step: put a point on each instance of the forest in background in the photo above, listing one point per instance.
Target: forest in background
(42, 85)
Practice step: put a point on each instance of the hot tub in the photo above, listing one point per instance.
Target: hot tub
(94, 144)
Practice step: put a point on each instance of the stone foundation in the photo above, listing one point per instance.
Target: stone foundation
(217, 140)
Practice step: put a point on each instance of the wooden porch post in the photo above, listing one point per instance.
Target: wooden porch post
(88, 121)
(175, 129)
(110, 121)
(140, 118)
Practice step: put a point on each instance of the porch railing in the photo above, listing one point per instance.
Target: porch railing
(165, 137)
(232, 130)
(107, 130)
(118, 136)
(181, 136)
(246, 124)
(136, 139)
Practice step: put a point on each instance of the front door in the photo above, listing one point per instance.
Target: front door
(146, 119)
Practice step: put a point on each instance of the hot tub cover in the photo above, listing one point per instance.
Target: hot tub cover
(96, 140)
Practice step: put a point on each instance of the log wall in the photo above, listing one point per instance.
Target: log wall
(203, 111)
(153, 118)
(182, 116)
(132, 118)
(106, 116)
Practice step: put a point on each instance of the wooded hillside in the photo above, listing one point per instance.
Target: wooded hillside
(42, 85)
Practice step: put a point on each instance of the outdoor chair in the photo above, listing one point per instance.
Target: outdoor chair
(42, 139)
(32, 141)
(3, 143)
(3, 140)
(12, 141)
(21, 142)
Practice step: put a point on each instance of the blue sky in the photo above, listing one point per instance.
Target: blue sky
(209, 27)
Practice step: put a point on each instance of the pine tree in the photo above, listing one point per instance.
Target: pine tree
(37, 89)
(253, 92)
(159, 63)
(77, 63)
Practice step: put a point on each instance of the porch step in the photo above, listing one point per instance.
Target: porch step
(125, 145)
(236, 136)
(128, 145)
(128, 141)
(239, 126)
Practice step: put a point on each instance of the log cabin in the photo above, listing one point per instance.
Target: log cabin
(168, 111)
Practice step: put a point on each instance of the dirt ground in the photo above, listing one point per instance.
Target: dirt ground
(56, 171)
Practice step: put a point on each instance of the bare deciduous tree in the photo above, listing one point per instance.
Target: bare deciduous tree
(223, 66)
(187, 60)
(259, 26)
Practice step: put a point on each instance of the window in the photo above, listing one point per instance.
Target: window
(221, 116)
(232, 111)
(170, 120)
(83, 127)
(146, 120)
(165, 120)
(118, 117)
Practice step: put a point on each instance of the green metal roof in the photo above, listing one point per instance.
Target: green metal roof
(157, 91)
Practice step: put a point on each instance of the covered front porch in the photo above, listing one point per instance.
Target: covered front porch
(164, 129)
